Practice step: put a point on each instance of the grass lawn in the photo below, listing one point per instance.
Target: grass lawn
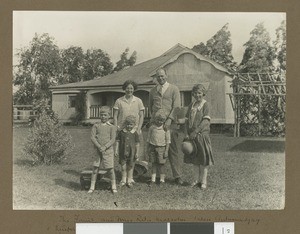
(249, 173)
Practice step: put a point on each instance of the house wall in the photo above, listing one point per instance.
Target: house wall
(144, 96)
(61, 106)
(184, 71)
(229, 113)
(187, 71)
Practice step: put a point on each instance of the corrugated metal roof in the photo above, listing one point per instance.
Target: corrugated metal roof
(140, 73)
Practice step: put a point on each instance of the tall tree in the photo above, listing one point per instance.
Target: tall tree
(97, 63)
(259, 54)
(218, 48)
(201, 49)
(39, 66)
(73, 60)
(132, 59)
(125, 61)
(280, 46)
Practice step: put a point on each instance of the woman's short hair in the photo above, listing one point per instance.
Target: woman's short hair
(199, 87)
(128, 82)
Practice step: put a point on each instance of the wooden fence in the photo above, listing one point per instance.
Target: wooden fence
(23, 113)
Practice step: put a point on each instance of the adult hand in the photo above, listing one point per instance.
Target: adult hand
(165, 155)
(99, 148)
(136, 157)
(102, 149)
(193, 135)
(167, 124)
(116, 154)
(186, 137)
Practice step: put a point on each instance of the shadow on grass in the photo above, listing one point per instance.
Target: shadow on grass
(269, 146)
(23, 162)
(68, 184)
(72, 172)
(142, 179)
(146, 180)
(102, 184)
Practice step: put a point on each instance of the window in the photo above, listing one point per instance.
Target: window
(186, 98)
(72, 101)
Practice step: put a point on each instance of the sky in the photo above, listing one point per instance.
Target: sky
(148, 33)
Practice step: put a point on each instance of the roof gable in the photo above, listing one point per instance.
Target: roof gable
(140, 73)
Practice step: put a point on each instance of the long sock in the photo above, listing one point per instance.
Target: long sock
(154, 169)
(203, 174)
(112, 177)
(124, 173)
(162, 177)
(161, 169)
(130, 174)
(93, 181)
(196, 169)
(113, 184)
(153, 177)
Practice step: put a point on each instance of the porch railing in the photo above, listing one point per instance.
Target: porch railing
(95, 112)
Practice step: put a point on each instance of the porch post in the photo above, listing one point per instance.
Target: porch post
(87, 102)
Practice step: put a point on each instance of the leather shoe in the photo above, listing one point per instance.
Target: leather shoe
(203, 186)
(179, 181)
(195, 184)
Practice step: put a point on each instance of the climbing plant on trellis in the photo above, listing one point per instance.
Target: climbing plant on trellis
(259, 104)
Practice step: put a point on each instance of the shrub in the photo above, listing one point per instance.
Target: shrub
(48, 142)
(40, 106)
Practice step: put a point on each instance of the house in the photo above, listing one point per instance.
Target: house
(184, 68)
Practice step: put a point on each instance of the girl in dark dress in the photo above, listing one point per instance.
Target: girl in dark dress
(127, 148)
(198, 129)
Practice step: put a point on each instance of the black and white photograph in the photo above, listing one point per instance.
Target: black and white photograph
(140, 110)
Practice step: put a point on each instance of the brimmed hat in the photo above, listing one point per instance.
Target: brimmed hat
(188, 147)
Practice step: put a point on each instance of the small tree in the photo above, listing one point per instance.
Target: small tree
(48, 143)
(43, 105)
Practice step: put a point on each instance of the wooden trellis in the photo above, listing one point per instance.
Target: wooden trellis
(260, 85)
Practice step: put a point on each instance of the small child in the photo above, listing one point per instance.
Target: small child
(158, 142)
(127, 148)
(198, 128)
(103, 136)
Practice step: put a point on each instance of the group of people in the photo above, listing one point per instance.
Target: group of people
(163, 139)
